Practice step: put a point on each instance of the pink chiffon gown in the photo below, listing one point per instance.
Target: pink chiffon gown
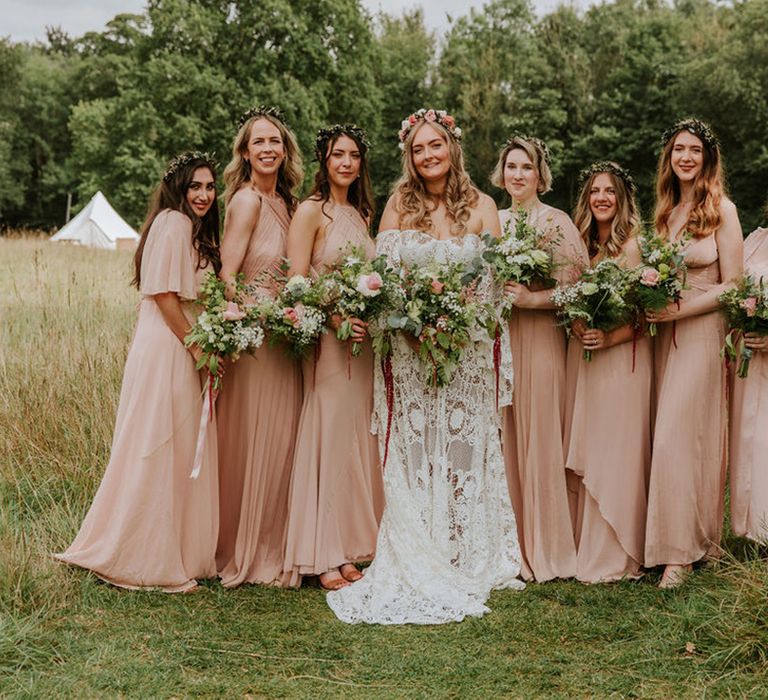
(258, 414)
(337, 490)
(533, 426)
(150, 525)
(608, 443)
(749, 423)
(685, 494)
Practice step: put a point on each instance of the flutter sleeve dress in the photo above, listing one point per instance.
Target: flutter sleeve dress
(150, 525)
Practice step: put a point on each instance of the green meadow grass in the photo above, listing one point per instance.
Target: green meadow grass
(67, 316)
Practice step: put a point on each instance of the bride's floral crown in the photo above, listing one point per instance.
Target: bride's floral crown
(325, 136)
(186, 158)
(695, 127)
(440, 116)
(607, 166)
(261, 111)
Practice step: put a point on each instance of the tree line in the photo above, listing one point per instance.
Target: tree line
(106, 110)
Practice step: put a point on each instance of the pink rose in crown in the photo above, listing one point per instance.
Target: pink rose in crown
(650, 277)
(749, 305)
(233, 312)
(431, 115)
(436, 286)
(369, 285)
(412, 119)
(449, 121)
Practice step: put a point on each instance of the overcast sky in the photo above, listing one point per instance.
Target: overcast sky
(25, 20)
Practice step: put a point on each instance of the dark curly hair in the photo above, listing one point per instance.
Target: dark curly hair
(171, 193)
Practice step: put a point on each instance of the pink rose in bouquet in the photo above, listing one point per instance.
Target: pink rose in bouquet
(650, 277)
(436, 286)
(369, 285)
(233, 312)
(749, 305)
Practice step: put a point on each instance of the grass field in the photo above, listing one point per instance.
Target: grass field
(67, 316)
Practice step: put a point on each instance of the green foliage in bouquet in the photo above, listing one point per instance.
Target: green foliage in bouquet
(746, 308)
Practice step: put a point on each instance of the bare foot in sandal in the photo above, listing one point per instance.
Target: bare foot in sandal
(332, 580)
(350, 572)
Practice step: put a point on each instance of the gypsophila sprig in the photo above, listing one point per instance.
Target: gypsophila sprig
(746, 308)
(225, 328)
(439, 116)
(261, 111)
(295, 317)
(186, 158)
(600, 299)
(523, 254)
(360, 288)
(442, 310)
(660, 279)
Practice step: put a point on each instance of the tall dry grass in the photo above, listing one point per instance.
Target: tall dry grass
(67, 315)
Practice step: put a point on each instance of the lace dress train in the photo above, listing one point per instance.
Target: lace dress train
(448, 534)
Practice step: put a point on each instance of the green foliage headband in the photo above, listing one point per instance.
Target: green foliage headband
(261, 111)
(607, 166)
(326, 136)
(537, 143)
(186, 158)
(695, 127)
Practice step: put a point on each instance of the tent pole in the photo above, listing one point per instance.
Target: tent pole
(69, 207)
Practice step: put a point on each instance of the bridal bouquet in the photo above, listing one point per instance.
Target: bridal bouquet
(442, 310)
(521, 255)
(224, 328)
(600, 298)
(746, 308)
(295, 317)
(661, 276)
(360, 288)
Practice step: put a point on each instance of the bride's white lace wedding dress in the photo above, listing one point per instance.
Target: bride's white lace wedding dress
(448, 533)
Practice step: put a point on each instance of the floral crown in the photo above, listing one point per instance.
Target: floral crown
(428, 115)
(186, 158)
(695, 127)
(325, 136)
(607, 166)
(538, 144)
(261, 111)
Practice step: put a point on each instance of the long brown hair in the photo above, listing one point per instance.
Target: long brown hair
(708, 189)
(460, 194)
(290, 174)
(625, 224)
(171, 193)
(360, 194)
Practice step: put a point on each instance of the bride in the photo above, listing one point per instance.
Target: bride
(448, 532)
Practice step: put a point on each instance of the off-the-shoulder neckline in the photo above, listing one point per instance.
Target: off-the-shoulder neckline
(452, 239)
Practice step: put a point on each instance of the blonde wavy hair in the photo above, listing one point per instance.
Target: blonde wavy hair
(708, 191)
(535, 153)
(289, 176)
(460, 196)
(624, 226)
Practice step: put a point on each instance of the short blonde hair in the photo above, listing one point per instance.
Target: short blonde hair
(535, 151)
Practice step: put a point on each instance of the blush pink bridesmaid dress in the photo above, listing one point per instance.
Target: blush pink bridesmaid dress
(150, 525)
(258, 414)
(685, 494)
(337, 489)
(749, 423)
(533, 426)
(608, 443)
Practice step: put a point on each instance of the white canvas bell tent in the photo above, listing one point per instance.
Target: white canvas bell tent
(98, 225)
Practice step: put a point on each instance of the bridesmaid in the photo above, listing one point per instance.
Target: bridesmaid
(749, 416)
(533, 426)
(685, 495)
(259, 405)
(608, 439)
(150, 525)
(336, 496)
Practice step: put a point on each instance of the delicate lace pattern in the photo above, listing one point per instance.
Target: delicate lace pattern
(448, 533)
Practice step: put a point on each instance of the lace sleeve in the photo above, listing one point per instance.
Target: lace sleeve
(388, 243)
